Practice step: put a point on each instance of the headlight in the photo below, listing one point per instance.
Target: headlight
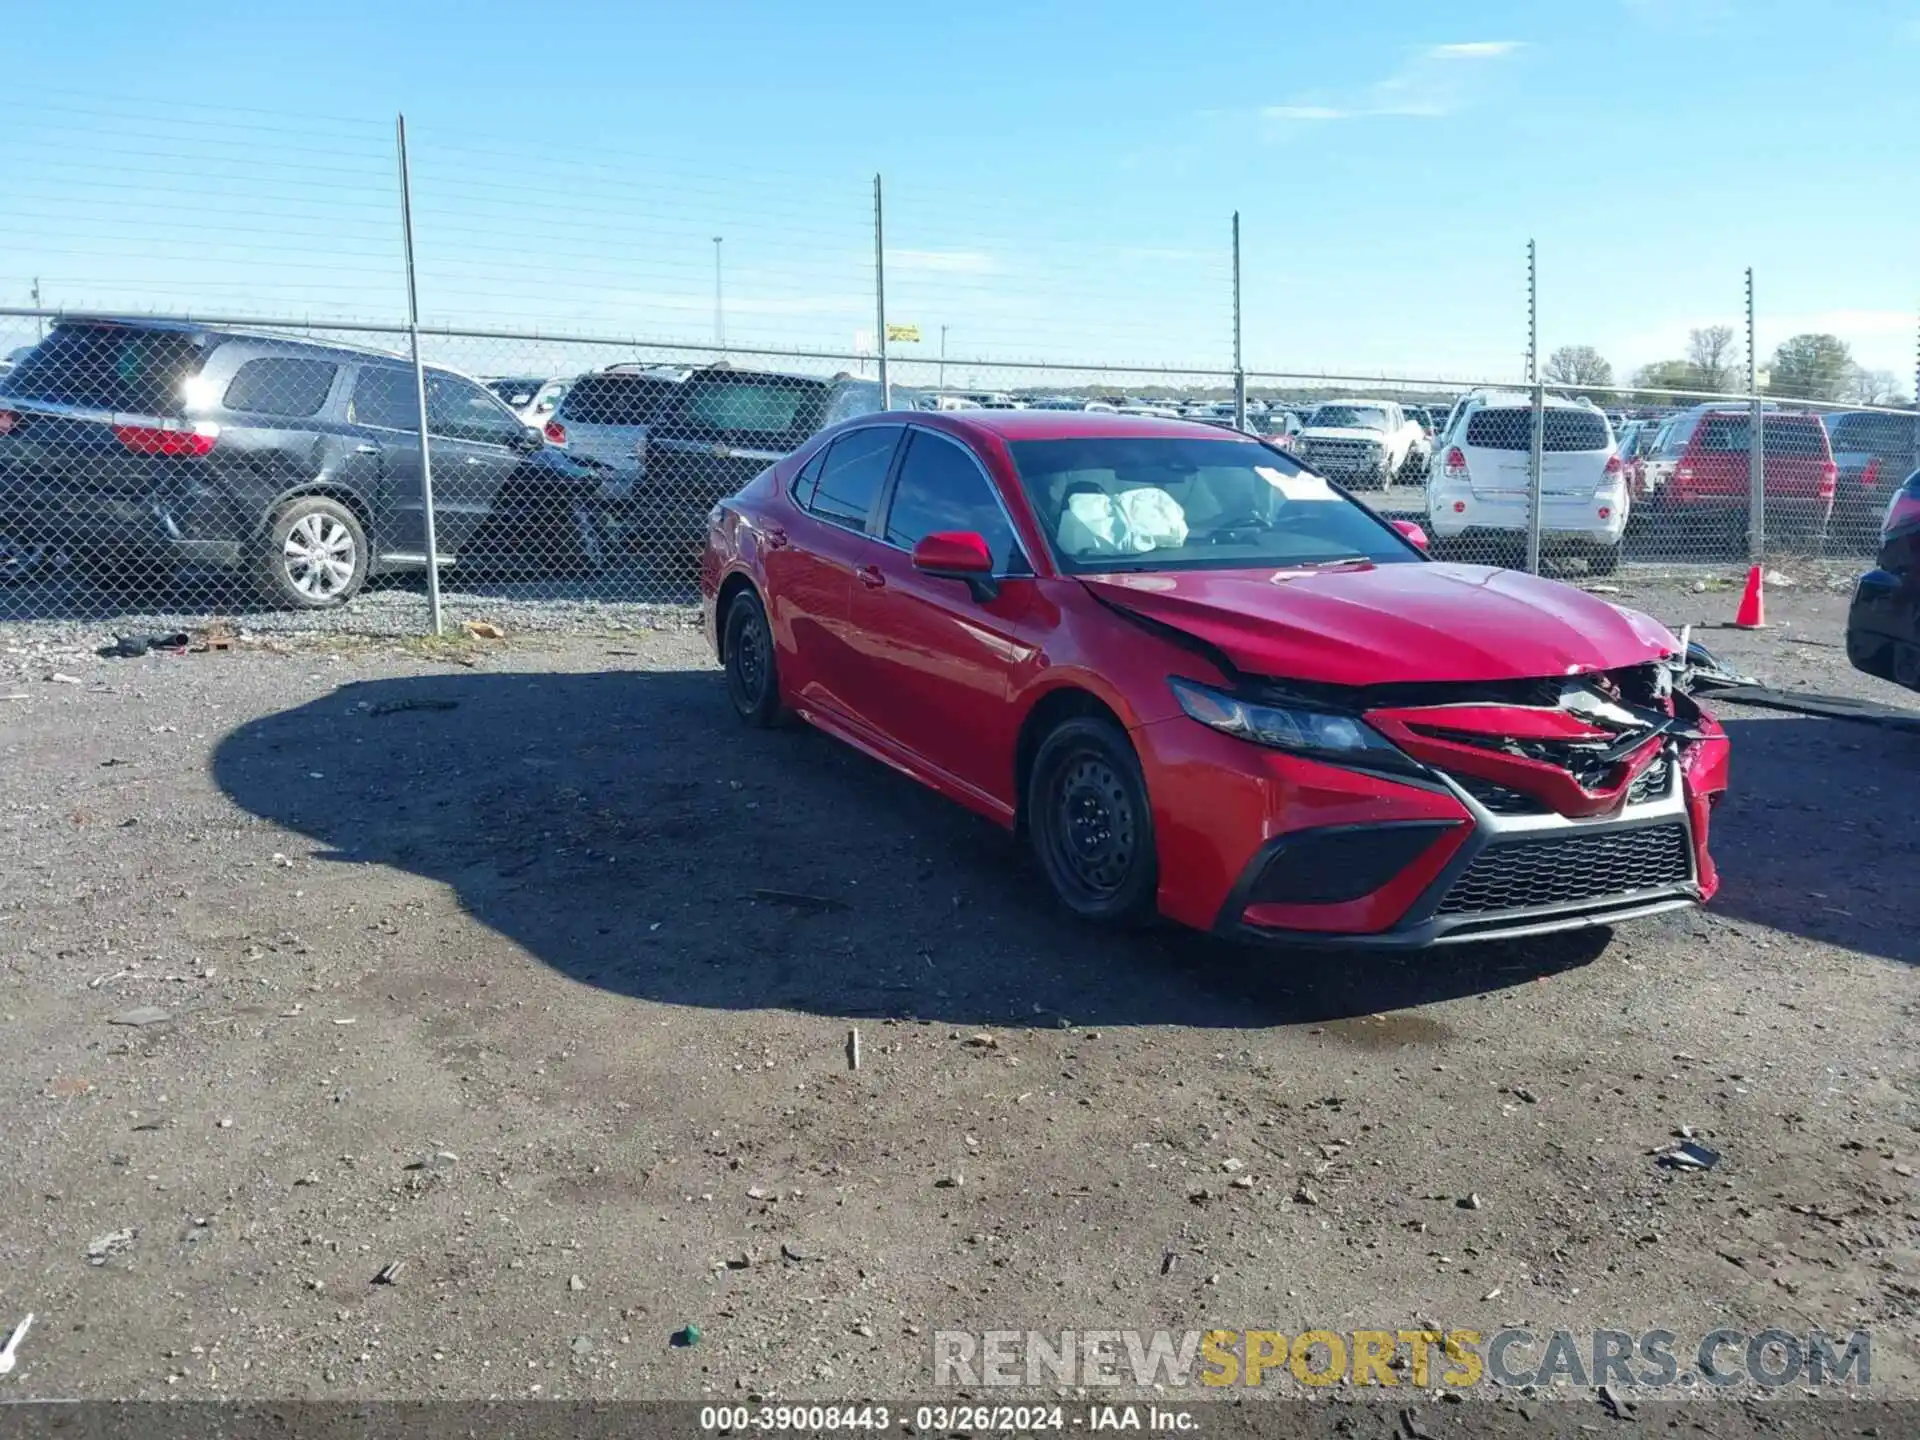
(1290, 727)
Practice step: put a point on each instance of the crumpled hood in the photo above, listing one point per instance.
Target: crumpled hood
(1343, 432)
(1389, 624)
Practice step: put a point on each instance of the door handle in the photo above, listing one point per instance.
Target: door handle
(871, 577)
(776, 538)
(366, 449)
(473, 459)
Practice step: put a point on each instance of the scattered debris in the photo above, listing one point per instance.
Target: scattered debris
(484, 630)
(1303, 1194)
(131, 647)
(1493, 1294)
(686, 1336)
(57, 678)
(1411, 1425)
(853, 1048)
(8, 1352)
(412, 702)
(1232, 1166)
(790, 1251)
(1617, 1407)
(141, 1015)
(1169, 1263)
(950, 1182)
(576, 1284)
(390, 1273)
(101, 1247)
(800, 900)
(1242, 1182)
(984, 1042)
(1825, 707)
(1468, 1202)
(1690, 1156)
(742, 1260)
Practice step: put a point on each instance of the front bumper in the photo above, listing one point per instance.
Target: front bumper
(1259, 845)
(1453, 511)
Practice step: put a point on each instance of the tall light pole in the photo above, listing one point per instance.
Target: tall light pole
(719, 309)
(40, 321)
(941, 383)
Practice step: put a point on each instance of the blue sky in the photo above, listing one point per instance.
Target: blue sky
(1059, 177)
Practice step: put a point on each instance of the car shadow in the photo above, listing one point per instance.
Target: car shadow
(623, 828)
(1819, 836)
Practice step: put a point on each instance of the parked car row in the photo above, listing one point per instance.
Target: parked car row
(138, 447)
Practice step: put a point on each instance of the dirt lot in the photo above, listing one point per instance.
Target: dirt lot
(461, 968)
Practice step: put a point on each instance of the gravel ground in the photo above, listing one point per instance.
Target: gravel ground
(462, 970)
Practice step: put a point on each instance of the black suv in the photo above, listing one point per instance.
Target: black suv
(142, 445)
(682, 440)
(1875, 451)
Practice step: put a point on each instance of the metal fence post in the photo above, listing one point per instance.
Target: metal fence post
(1756, 444)
(1916, 406)
(1239, 362)
(880, 294)
(419, 382)
(1537, 447)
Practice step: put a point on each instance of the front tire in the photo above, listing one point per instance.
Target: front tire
(1091, 824)
(753, 676)
(315, 555)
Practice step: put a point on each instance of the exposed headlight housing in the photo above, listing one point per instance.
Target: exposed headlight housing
(1325, 734)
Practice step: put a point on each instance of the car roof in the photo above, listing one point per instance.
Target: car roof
(238, 332)
(1013, 425)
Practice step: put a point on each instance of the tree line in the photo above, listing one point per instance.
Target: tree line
(1805, 367)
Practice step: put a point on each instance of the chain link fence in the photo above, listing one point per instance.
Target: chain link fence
(170, 470)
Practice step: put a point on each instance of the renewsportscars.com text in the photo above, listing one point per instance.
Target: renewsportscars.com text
(1650, 1359)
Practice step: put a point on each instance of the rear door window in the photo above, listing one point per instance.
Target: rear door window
(281, 385)
(109, 367)
(853, 474)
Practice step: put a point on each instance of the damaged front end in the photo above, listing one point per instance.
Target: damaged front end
(1589, 799)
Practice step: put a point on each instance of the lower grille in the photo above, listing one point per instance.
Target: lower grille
(1567, 869)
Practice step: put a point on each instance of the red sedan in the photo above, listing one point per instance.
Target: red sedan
(1208, 684)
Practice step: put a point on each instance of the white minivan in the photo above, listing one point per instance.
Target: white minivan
(1478, 483)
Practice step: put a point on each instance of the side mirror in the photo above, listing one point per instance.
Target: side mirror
(958, 555)
(530, 439)
(1412, 534)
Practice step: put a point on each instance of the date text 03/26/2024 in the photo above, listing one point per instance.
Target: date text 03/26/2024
(946, 1419)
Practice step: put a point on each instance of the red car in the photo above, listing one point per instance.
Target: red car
(1209, 684)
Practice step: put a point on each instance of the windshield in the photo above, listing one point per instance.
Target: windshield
(1349, 417)
(1120, 503)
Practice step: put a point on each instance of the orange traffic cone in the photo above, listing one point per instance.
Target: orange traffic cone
(1752, 614)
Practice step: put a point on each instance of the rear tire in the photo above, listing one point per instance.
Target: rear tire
(314, 555)
(1091, 824)
(1604, 562)
(753, 675)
